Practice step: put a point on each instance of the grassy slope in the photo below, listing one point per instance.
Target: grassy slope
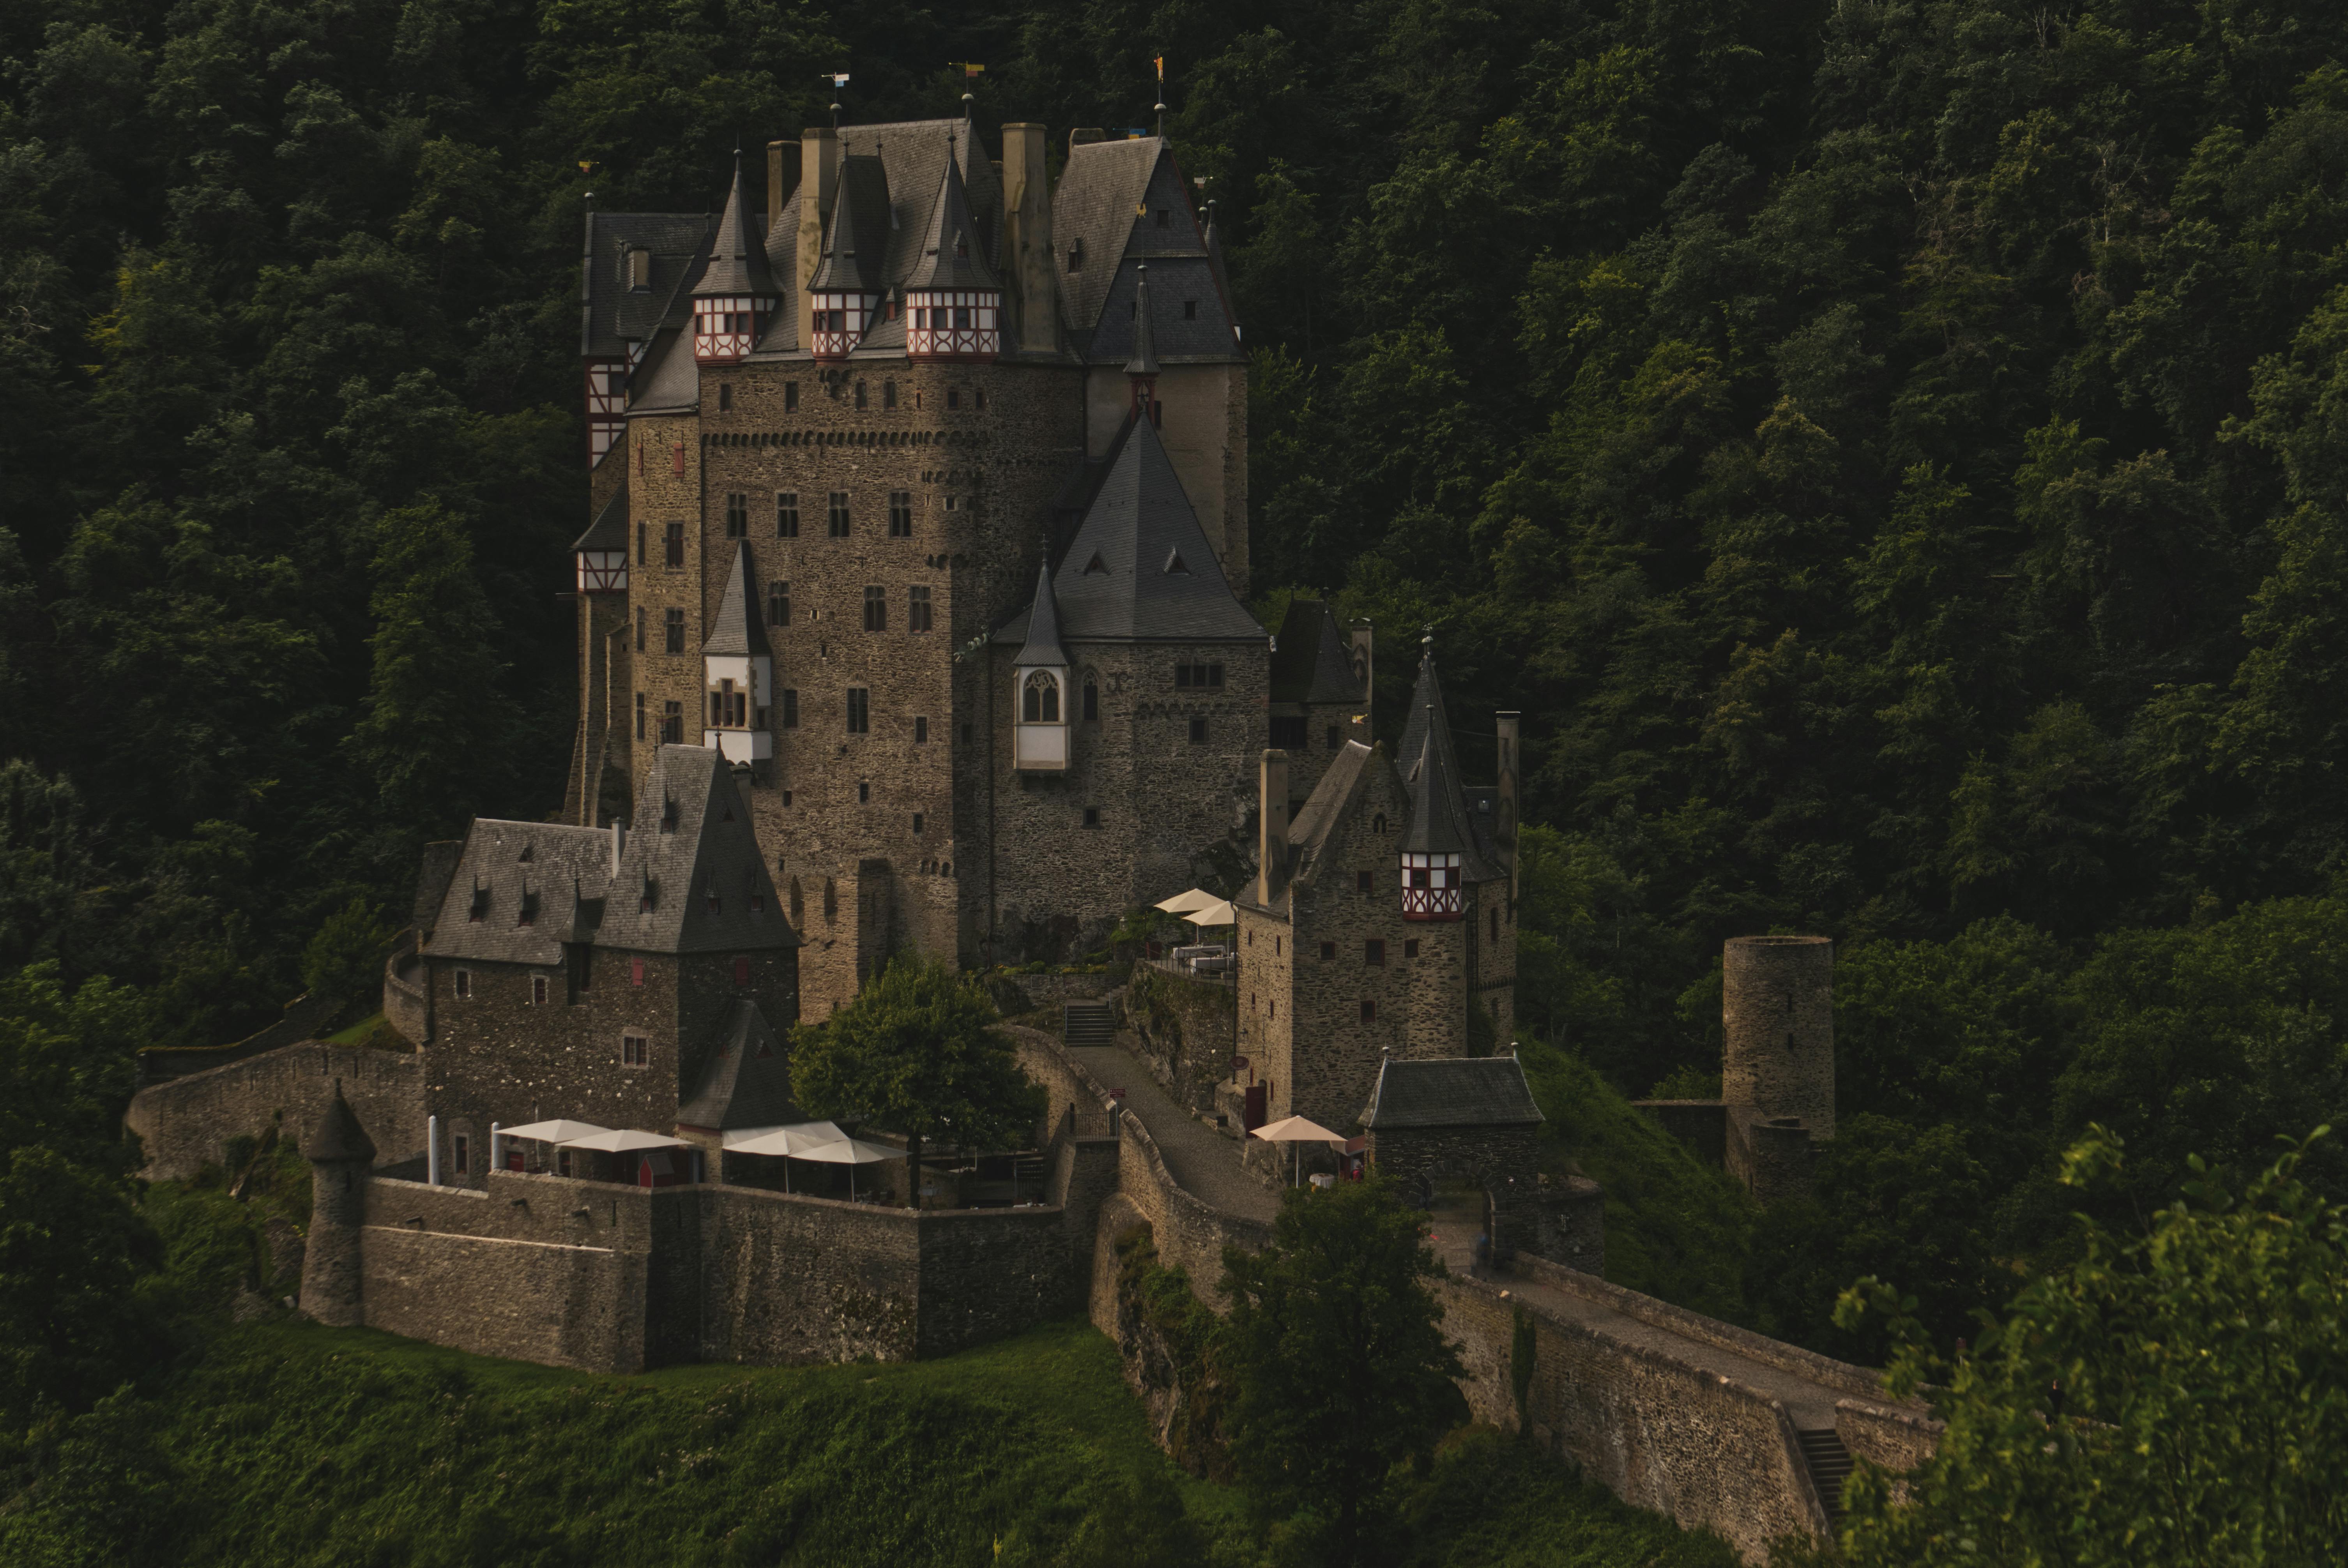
(1675, 1228)
(290, 1444)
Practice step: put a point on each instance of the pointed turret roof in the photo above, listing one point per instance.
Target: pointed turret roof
(1145, 353)
(1043, 645)
(737, 629)
(843, 270)
(1439, 821)
(338, 1135)
(1140, 567)
(609, 531)
(737, 258)
(747, 1081)
(1312, 663)
(951, 255)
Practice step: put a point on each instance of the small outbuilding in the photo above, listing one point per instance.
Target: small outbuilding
(1462, 1121)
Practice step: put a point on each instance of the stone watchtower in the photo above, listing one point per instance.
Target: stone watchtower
(1777, 1069)
(341, 1156)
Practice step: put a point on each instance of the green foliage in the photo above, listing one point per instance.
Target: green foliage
(1495, 1501)
(2176, 1395)
(1338, 1367)
(917, 1052)
(73, 1255)
(344, 960)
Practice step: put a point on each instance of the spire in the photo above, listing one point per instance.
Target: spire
(737, 257)
(951, 256)
(1044, 623)
(1144, 362)
(842, 272)
(1437, 821)
(736, 630)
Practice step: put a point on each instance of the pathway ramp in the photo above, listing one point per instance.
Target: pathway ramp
(1204, 1161)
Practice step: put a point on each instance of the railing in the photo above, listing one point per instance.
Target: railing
(1180, 968)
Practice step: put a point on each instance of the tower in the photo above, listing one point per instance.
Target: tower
(736, 292)
(341, 1156)
(1778, 1020)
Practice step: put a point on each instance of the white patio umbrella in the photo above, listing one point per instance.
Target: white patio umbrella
(852, 1153)
(1196, 898)
(627, 1140)
(787, 1143)
(1218, 912)
(1295, 1130)
(554, 1132)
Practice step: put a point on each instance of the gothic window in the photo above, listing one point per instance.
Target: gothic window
(917, 608)
(673, 544)
(876, 609)
(1198, 731)
(1039, 703)
(673, 625)
(778, 604)
(859, 711)
(786, 514)
(790, 708)
(738, 515)
(838, 513)
(900, 514)
(1092, 700)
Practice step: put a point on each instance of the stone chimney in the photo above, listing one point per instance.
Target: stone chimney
(782, 179)
(819, 189)
(1027, 240)
(1271, 827)
(619, 843)
(1364, 670)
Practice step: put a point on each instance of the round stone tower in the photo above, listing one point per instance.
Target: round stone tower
(1777, 1012)
(341, 1155)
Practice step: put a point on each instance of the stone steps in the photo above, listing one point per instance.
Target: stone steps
(1087, 1023)
(1829, 1465)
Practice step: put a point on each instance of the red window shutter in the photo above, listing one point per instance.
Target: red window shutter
(677, 458)
(635, 971)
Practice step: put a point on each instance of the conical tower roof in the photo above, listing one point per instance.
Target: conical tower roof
(737, 256)
(1145, 352)
(1439, 824)
(951, 256)
(1043, 646)
(338, 1135)
(843, 271)
(736, 630)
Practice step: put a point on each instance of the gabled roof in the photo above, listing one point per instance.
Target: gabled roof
(1140, 567)
(851, 261)
(338, 1135)
(1106, 205)
(667, 381)
(609, 531)
(1332, 802)
(1455, 1092)
(613, 314)
(1093, 208)
(914, 154)
(952, 254)
(737, 256)
(747, 1080)
(693, 859)
(1043, 645)
(736, 630)
(1312, 663)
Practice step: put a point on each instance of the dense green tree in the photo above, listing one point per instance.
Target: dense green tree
(1335, 1357)
(917, 1052)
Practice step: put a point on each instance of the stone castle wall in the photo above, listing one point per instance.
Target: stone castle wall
(1778, 1018)
(184, 1124)
(1185, 1031)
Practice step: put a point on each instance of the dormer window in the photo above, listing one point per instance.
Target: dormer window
(668, 814)
(1075, 255)
(637, 268)
(650, 896)
(480, 909)
(529, 910)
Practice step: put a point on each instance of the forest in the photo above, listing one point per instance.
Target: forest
(1895, 455)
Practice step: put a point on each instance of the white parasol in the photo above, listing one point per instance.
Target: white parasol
(1182, 902)
(852, 1153)
(554, 1132)
(786, 1143)
(1296, 1130)
(625, 1141)
(1218, 912)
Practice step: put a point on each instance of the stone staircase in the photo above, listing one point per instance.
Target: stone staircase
(1029, 1177)
(1829, 1466)
(1087, 1023)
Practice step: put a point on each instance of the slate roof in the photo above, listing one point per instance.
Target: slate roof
(1331, 802)
(1469, 1092)
(668, 381)
(854, 248)
(737, 254)
(747, 1080)
(609, 531)
(1439, 816)
(611, 314)
(1144, 361)
(1312, 663)
(1043, 644)
(338, 1135)
(1092, 206)
(951, 255)
(736, 630)
(692, 857)
(1177, 338)
(1108, 200)
(1139, 568)
(914, 153)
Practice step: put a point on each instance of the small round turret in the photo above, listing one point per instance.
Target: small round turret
(1777, 1014)
(341, 1155)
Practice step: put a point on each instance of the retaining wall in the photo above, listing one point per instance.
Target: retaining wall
(1185, 1031)
(305, 1016)
(406, 1001)
(184, 1123)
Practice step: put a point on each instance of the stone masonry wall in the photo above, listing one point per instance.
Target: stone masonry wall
(184, 1123)
(1778, 1019)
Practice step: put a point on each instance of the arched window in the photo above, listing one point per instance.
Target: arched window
(1041, 703)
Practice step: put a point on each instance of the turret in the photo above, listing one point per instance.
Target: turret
(341, 1155)
(738, 671)
(846, 289)
(736, 292)
(1437, 846)
(1040, 686)
(953, 301)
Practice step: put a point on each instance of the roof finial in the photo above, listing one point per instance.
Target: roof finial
(969, 105)
(1160, 63)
